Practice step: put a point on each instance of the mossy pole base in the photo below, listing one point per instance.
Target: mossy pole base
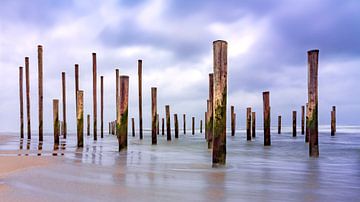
(210, 122)
(40, 90)
(80, 118)
(253, 124)
(63, 81)
(27, 81)
(193, 126)
(232, 113)
(279, 124)
(162, 126)
(124, 102)
(133, 126)
(94, 96)
(176, 123)
(140, 98)
(219, 103)
(88, 125)
(102, 106)
(302, 120)
(153, 115)
(294, 123)
(248, 124)
(56, 121)
(184, 123)
(266, 110)
(313, 56)
(21, 97)
(168, 129)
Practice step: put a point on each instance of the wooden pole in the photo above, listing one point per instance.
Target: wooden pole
(133, 126)
(176, 126)
(313, 56)
(307, 122)
(140, 98)
(40, 88)
(200, 126)
(124, 100)
(64, 131)
(210, 123)
(184, 122)
(219, 102)
(193, 125)
(232, 121)
(102, 106)
(279, 124)
(248, 124)
(117, 98)
(206, 120)
(94, 96)
(157, 124)
(27, 78)
(56, 121)
(153, 115)
(162, 126)
(109, 127)
(80, 118)
(21, 96)
(253, 125)
(302, 120)
(168, 129)
(333, 121)
(76, 84)
(294, 123)
(88, 125)
(266, 108)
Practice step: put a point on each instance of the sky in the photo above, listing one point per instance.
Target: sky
(267, 51)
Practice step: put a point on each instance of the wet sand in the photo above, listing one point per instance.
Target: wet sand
(181, 170)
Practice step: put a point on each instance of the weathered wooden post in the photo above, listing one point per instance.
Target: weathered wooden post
(232, 120)
(140, 98)
(333, 121)
(307, 122)
(253, 124)
(56, 121)
(184, 122)
(266, 108)
(176, 126)
(153, 115)
(109, 127)
(219, 103)
(248, 124)
(88, 125)
(313, 102)
(117, 99)
(133, 126)
(40, 88)
(27, 78)
(102, 106)
(279, 124)
(210, 124)
(157, 124)
(168, 129)
(80, 118)
(21, 96)
(162, 126)
(64, 131)
(302, 120)
(124, 98)
(200, 126)
(193, 125)
(94, 96)
(294, 123)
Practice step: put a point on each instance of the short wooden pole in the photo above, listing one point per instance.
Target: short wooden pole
(232, 113)
(200, 126)
(76, 84)
(64, 131)
(40, 88)
(168, 129)
(21, 96)
(80, 118)
(279, 124)
(219, 103)
(184, 123)
(27, 78)
(88, 125)
(133, 126)
(176, 123)
(193, 125)
(253, 124)
(162, 126)
(302, 120)
(102, 106)
(266, 108)
(94, 96)
(294, 123)
(124, 100)
(153, 115)
(333, 121)
(307, 122)
(248, 124)
(313, 56)
(56, 121)
(210, 123)
(109, 127)
(140, 98)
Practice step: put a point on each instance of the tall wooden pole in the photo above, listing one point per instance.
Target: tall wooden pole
(176, 124)
(94, 96)
(80, 118)
(88, 125)
(294, 123)
(76, 84)
(210, 124)
(302, 120)
(124, 100)
(140, 98)
(102, 106)
(253, 124)
(153, 115)
(266, 108)
(27, 78)
(248, 124)
(168, 129)
(64, 104)
(219, 103)
(117, 98)
(162, 126)
(193, 125)
(184, 122)
(313, 56)
(232, 120)
(40, 85)
(133, 126)
(279, 124)
(21, 96)
(56, 121)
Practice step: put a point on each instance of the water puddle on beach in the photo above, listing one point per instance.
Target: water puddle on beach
(181, 170)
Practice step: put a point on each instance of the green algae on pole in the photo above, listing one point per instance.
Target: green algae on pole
(102, 106)
(88, 124)
(63, 81)
(302, 120)
(253, 124)
(94, 96)
(294, 123)
(153, 115)
(140, 98)
(248, 124)
(193, 125)
(80, 118)
(313, 57)
(162, 126)
(168, 129)
(184, 123)
(279, 124)
(210, 123)
(176, 124)
(40, 90)
(124, 102)
(21, 96)
(232, 120)
(219, 103)
(56, 121)
(266, 110)
(133, 126)
(27, 80)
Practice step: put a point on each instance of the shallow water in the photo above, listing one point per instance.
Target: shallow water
(181, 170)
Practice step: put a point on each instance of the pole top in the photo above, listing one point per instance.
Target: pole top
(314, 51)
(220, 41)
